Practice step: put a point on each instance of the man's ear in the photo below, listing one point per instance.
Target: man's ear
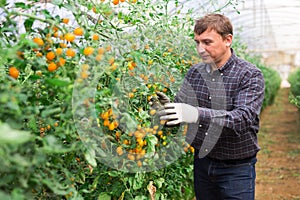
(228, 40)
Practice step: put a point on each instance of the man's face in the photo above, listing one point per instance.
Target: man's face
(212, 48)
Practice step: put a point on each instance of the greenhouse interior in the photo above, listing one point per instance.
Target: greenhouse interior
(86, 92)
(270, 28)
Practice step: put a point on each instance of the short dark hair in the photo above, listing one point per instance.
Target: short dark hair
(217, 22)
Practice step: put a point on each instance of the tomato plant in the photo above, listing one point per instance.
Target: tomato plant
(76, 85)
(294, 80)
(109, 66)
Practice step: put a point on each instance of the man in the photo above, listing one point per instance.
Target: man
(220, 99)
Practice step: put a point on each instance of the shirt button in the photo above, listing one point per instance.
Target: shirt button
(213, 79)
(221, 74)
(206, 150)
(209, 97)
(206, 133)
(200, 125)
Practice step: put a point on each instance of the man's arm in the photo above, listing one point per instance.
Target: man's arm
(247, 106)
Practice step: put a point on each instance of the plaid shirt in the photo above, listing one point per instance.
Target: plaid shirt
(229, 101)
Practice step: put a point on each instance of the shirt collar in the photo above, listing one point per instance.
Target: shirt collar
(229, 62)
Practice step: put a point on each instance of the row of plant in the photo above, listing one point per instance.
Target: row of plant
(103, 66)
(75, 115)
(294, 80)
(271, 77)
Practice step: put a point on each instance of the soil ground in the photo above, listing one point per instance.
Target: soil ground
(278, 166)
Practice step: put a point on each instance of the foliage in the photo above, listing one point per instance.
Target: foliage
(66, 83)
(294, 80)
(123, 54)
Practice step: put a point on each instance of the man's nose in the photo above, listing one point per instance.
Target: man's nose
(201, 48)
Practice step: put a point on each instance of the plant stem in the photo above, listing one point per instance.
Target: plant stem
(219, 9)
(52, 22)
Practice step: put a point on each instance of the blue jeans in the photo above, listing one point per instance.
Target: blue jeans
(218, 180)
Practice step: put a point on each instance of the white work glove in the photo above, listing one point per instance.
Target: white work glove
(176, 113)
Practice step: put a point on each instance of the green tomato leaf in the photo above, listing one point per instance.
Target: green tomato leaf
(47, 14)
(28, 24)
(57, 2)
(20, 5)
(90, 157)
(152, 141)
(127, 120)
(57, 82)
(136, 182)
(53, 146)
(11, 136)
(104, 196)
(2, 4)
(159, 182)
(113, 173)
(141, 197)
(50, 111)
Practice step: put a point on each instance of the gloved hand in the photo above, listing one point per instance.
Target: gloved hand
(163, 99)
(158, 102)
(176, 113)
(157, 106)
